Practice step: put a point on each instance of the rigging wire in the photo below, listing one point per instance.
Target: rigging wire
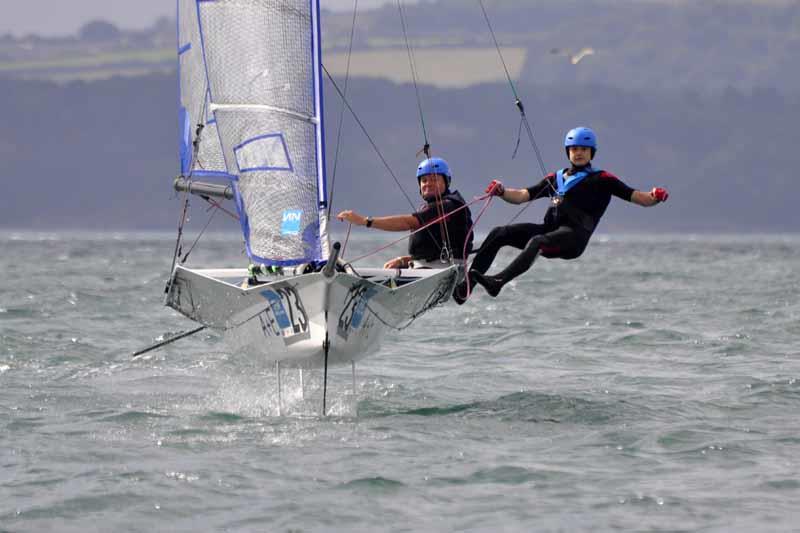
(518, 100)
(185, 214)
(178, 247)
(524, 122)
(446, 248)
(369, 138)
(371, 141)
(208, 222)
(426, 148)
(341, 112)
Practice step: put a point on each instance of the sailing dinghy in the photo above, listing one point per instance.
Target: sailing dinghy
(252, 117)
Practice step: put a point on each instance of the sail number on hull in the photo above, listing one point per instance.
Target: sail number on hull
(285, 316)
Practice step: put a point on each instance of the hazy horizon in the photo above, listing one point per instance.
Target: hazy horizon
(66, 19)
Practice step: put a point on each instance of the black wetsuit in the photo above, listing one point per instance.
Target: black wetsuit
(565, 232)
(426, 245)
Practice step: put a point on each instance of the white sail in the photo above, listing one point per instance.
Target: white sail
(197, 124)
(251, 112)
(260, 89)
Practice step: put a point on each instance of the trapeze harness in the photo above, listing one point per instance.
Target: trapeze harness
(564, 184)
(425, 246)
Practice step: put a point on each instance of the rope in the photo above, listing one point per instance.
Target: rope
(530, 202)
(341, 111)
(208, 223)
(433, 300)
(346, 240)
(216, 204)
(371, 141)
(523, 117)
(426, 226)
(518, 100)
(178, 248)
(466, 241)
(446, 254)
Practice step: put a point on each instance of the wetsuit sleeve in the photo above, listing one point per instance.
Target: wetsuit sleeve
(542, 188)
(616, 186)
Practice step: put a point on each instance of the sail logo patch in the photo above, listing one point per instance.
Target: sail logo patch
(291, 222)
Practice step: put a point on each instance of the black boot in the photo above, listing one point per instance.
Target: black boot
(492, 284)
(517, 267)
(460, 292)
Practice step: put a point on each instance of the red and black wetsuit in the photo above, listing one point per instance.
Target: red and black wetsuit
(566, 229)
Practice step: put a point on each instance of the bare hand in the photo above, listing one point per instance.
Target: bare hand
(397, 262)
(351, 217)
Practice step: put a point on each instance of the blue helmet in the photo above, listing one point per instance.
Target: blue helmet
(435, 165)
(581, 136)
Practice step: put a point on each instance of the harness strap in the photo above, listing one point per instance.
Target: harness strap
(565, 184)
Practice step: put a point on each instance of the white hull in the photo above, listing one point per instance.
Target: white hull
(288, 319)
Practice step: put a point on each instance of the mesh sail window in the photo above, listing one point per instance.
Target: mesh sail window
(261, 61)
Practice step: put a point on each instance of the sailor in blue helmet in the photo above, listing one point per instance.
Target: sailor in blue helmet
(439, 243)
(579, 197)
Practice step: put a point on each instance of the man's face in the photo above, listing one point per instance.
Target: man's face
(580, 155)
(432, 185)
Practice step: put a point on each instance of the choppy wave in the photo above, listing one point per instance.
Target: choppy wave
(640, 387)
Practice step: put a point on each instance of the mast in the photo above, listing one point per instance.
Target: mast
(320, 113)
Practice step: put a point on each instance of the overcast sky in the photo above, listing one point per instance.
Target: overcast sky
(65, 17)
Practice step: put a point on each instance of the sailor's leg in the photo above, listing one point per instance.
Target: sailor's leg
(517, 267)
(516, 235)
(561, 238)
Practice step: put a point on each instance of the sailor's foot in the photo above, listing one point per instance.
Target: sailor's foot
(460, 293)
(492, 284)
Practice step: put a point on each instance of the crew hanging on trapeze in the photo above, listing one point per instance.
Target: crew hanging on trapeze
(579, 197)
(579, 194)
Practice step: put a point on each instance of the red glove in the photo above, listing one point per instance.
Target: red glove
(659, 194)
(495, 188)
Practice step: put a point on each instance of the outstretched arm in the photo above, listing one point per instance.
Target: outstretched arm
(516, 196)
(390, 223)
(512, 196)
(648, 199)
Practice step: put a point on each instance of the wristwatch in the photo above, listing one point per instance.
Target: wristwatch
(369, 222)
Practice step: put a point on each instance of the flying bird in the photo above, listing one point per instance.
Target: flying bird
(573, 58)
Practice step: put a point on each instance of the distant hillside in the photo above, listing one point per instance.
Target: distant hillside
(103, 154)
(631, 44)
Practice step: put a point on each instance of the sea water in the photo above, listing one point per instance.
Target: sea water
(651, 385)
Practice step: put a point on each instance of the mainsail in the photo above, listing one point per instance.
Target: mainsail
(251, 112)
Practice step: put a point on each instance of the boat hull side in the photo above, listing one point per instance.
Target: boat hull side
(291, 318)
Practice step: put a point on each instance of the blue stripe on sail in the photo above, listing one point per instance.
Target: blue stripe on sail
(182, 148)
(316, 32)
(186, 151)
(213, 174)
(185, 48)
